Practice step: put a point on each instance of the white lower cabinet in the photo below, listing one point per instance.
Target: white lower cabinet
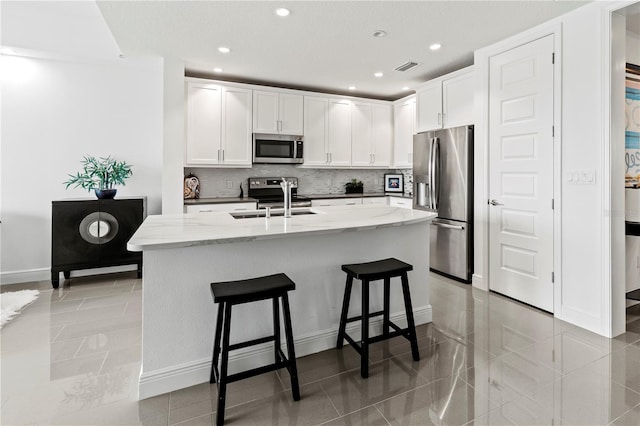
(337, 202)
(379, 201)
(220, 207)
(406, 203)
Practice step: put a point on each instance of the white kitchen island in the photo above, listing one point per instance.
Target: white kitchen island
(184, 253)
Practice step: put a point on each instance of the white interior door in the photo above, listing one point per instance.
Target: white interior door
(521, 173)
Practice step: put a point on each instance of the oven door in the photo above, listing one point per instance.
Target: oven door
(276, 149)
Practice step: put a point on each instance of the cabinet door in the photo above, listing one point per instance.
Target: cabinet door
(203, 124)
(265, 112)
(221, 207)
(378, 201)
(405, 203)
(337, 202)
(404, 129)
(429, 107)
(382, 137)
(236, 127)
(339, 141)
(316, 113)
(457, 101)
(361, 121)
(290, 114)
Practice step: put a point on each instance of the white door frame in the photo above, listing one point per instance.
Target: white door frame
(481, 153)
(613, 269)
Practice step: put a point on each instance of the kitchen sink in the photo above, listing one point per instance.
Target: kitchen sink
(274, 213)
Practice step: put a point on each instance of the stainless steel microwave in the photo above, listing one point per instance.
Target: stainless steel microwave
(278, 149)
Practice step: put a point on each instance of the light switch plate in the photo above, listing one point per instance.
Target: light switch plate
(581, 177)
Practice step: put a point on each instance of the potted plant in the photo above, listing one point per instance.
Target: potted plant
(100, 175)
(355, 186)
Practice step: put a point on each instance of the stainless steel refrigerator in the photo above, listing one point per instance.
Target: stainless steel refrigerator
(443, 183)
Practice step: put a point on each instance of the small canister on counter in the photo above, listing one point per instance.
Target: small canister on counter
(191, 187)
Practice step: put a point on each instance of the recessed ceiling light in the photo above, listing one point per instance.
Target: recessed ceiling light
(217, 70)
(435, 46)
(223, 49)
(405, 88)
(378, 74)
(352, 87)
(282, 12)
(379, 33)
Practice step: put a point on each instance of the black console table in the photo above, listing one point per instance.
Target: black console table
(93, 234)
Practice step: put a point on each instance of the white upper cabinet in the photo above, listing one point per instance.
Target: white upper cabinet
(361, 151)
(372, 135)
(316, 131)
(382, 143)
(275, 112)
(446, 102)
(339, 140)
(218, 125)
(404, 116)
(327, 132)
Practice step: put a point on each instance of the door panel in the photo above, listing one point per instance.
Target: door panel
(452, 182)
(521, 173)
(449, 248)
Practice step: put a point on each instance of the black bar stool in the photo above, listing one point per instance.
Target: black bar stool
(373, 271)
(231, 293)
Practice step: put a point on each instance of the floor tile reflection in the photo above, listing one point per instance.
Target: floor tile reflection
(75, 354)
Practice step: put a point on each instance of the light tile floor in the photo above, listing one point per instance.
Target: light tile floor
(73, 358)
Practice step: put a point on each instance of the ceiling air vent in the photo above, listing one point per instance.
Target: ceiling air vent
(407, 66)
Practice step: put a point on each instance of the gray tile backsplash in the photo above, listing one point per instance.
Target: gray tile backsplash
(215, 182)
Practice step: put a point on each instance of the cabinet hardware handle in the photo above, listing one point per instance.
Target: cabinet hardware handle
(218, 155)
(495, 203)
(223, 155)
(444, 118)
(374, 158)
(327, 159)
(446, 225)
(330, 157)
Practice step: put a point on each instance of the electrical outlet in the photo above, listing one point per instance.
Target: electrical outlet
(229, 184)
(376, 181)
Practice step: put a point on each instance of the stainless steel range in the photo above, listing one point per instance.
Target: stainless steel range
(268, 192)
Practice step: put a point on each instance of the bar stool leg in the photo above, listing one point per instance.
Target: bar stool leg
(216, 344)
(293, 370)
(411, 325)
(222, 382)
(364, 356)
(386, 309)
(345, 310)
(276, 328)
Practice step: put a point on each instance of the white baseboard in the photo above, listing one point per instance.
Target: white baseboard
(44, 274)
(15, 277)
(168, 379)
(477, 281)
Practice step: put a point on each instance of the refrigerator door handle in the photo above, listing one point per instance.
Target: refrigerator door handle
(435, 171)
(431, 176)
(446, 225)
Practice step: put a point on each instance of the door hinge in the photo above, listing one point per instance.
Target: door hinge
(553, 58)
(553, 277)
(553, 204)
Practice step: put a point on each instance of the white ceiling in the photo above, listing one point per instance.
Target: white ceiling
(323, 45)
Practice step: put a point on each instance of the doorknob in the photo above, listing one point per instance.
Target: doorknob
(495, 203)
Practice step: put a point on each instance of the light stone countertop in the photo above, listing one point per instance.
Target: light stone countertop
(193, 229)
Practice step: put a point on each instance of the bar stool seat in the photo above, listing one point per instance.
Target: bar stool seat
(231, 293)
(384, 269)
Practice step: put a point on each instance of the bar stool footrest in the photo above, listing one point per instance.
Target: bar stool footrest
(257, 371)
(359, 317)
(253, 342)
